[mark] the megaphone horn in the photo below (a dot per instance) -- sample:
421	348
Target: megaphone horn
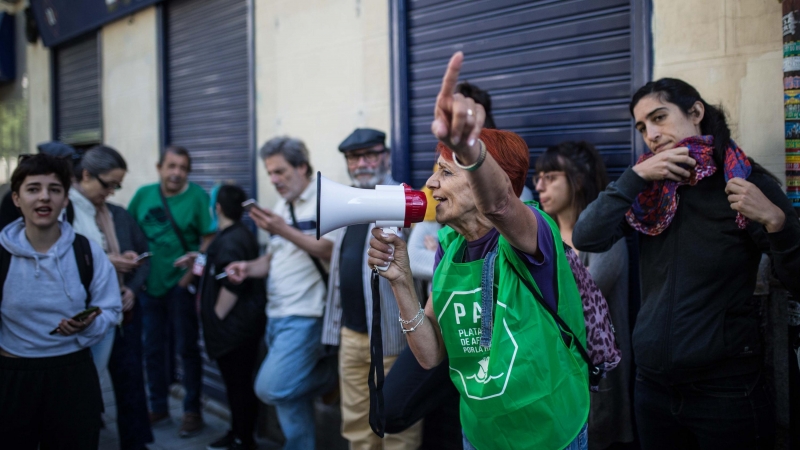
387	205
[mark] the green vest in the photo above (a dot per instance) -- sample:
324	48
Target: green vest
529	390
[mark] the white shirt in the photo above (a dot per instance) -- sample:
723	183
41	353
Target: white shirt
294	285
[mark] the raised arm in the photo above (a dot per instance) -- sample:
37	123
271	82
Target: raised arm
458	121
602	223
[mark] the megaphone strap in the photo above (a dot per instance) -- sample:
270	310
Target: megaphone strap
377	416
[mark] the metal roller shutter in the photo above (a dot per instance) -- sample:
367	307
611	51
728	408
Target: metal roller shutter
556	70
207	69
208	88
77	92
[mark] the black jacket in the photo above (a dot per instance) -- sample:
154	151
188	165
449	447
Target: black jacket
698	319
247	319
130	238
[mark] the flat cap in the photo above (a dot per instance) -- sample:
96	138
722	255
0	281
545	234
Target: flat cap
56	148
363	138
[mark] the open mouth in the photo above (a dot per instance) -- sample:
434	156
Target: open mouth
439	200
43	211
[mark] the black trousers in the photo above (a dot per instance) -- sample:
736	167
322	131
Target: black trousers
50	403
412	393
734	413
238	373
127	375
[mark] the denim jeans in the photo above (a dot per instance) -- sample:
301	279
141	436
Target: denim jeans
294	372
101	352
728	413
177	308
581	441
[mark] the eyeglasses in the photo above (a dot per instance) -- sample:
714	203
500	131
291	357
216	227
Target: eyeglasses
547	177
106	185
370	157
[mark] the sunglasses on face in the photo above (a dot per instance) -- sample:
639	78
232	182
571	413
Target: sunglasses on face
107	185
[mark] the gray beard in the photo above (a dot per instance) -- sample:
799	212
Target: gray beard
371	183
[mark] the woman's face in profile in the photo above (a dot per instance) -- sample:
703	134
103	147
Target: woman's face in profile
450	188
663	124
97	188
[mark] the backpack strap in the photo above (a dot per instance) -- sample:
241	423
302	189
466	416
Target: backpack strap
5	263
83	257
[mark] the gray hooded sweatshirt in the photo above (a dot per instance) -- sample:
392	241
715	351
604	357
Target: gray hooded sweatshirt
43	288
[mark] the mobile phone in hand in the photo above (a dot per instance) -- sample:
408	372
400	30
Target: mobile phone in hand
251	203
143	256
80	316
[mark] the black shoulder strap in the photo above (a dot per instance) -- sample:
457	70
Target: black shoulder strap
70	213
317	263
172	221
5	263
85	261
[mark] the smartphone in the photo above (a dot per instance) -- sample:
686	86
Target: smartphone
247	204
80	316
143	256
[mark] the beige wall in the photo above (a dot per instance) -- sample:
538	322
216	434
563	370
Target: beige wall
731	51
40	124
130	97
322	69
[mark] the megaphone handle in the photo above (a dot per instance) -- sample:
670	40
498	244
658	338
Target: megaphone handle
388	230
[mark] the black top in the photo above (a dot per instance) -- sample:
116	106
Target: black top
247	319
698	318
131	238
351	285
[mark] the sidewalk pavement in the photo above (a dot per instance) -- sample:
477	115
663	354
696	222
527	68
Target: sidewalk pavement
216	417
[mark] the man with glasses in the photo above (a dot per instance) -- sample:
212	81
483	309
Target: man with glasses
175	216
349	303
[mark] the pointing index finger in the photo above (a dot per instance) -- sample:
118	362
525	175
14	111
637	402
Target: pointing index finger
451	75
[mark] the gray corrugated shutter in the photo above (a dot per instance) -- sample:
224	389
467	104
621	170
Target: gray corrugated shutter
77	71
208	81
208	109
556	70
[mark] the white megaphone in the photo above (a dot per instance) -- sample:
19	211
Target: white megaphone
388	206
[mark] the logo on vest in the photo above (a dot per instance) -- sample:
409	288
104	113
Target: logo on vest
460	319
482	376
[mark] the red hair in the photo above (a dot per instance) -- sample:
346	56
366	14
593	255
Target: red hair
508	149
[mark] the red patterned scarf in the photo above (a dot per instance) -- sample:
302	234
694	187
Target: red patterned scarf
654	208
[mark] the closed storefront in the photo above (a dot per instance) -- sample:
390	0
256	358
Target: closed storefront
76	82
208	108
556	70
208	88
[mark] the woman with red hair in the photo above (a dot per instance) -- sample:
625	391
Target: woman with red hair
501	279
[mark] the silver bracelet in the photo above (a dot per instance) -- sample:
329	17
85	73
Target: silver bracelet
421	319
474	166
406	322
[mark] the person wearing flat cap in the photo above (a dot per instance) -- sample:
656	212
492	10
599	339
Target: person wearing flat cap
348	312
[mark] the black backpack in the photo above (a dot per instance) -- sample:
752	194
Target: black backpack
83	256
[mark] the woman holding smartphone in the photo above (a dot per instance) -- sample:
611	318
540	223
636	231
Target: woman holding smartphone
98	174
49	390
